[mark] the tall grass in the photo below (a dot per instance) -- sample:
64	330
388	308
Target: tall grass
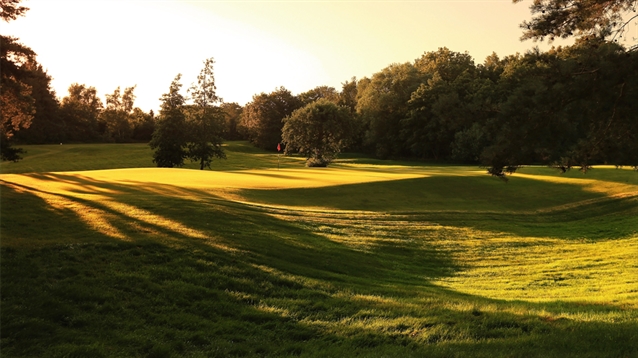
361	259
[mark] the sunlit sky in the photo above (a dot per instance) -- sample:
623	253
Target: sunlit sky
257	45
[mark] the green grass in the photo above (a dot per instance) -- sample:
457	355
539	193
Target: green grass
81	157
366	258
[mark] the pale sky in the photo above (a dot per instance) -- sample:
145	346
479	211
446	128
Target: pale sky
257	45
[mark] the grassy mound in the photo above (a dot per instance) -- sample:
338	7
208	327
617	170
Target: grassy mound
365	258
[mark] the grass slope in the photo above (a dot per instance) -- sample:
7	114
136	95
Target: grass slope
365	258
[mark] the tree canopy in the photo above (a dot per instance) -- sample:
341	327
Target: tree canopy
16	101
205	121
170	136
262	117
583	18
319	131
190	131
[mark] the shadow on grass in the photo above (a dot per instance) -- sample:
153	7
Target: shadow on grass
254	284
524	207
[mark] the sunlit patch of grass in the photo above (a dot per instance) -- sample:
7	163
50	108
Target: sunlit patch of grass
549	270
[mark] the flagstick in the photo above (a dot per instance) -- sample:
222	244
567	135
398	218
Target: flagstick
278	160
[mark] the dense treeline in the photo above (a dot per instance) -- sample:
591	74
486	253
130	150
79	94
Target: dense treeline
572	106
81	116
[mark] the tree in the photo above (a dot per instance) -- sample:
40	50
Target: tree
329	93
169	139
80	111
263	117
143	124
382	105
582	18
319	131
572	106
115	120
348	95
205	122
47	125
232	116
15	95
441	105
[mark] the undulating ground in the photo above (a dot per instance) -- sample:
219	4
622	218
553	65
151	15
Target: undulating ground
104	255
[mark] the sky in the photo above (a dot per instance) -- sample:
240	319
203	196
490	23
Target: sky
258	46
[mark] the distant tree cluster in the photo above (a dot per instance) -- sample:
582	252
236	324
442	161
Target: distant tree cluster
33	114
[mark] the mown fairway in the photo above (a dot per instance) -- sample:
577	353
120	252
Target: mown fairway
365	258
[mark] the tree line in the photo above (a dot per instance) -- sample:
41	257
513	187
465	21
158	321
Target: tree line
569	106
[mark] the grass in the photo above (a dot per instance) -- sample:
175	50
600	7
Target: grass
365	258
81	157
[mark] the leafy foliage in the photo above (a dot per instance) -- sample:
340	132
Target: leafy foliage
319	131
80	110
204	133
170	135
262	117
205	122
193	131
115	120
11	10
569	107
47	125
15	94
382	107
232	117
317	93
582	18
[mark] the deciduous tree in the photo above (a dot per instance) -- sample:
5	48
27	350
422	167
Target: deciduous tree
143	124
15	94
80	110
326	92
319	131
115	119
205	120
47	125
232	116
262	117
382	105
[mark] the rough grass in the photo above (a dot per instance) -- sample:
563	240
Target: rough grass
365	258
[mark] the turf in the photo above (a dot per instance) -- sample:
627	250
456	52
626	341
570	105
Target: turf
365	258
